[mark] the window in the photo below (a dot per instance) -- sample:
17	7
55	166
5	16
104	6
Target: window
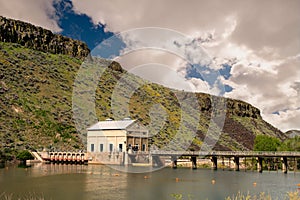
144	147
136	147
111	147
92	147
120	147
101	147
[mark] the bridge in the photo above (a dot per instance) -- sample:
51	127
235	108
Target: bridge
236	155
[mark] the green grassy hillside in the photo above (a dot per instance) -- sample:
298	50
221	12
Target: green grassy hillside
36	106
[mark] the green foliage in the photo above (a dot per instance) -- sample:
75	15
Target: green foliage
291	144
263	196
248	196
36	106
181	196
24	155
266	143
30	196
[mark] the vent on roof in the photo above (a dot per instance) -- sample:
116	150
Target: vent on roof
108	119
127	118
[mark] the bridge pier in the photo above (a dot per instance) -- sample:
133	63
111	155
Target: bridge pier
223	163
284	164
157	158
295	164
236	161
194	162
156	161
259	164
174	162
214	161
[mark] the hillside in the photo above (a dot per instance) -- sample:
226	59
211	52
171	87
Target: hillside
36	105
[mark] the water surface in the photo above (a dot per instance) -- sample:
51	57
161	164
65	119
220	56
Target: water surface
101	182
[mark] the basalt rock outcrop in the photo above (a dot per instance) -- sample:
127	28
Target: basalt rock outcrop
40	39
37	75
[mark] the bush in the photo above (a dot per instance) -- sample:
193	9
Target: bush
266	143
291	144
24	155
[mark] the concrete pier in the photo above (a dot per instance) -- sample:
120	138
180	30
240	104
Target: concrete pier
235	155
259	164
214	161
284	164
174	162
194	162
156	161
236	161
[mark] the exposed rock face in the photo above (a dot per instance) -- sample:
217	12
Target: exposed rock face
36	99
293	133
242	109
40	39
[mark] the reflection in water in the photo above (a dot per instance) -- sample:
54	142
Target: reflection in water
54	181
105	183
49	181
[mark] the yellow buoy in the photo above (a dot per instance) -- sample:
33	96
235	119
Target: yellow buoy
254	184
213	181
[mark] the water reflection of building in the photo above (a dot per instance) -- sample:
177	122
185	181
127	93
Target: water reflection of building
40	169
108	141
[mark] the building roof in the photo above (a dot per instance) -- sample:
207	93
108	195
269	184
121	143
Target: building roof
110	124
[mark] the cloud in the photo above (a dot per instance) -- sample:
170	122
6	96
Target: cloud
156	45
258	42
256	24
276	93
38	12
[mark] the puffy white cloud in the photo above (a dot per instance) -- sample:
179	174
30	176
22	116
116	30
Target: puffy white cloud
275	92
258	25
260	39
38	12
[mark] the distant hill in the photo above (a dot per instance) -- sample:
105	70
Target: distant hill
293	133
36	102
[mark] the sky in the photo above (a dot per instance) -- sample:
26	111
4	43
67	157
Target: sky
247	50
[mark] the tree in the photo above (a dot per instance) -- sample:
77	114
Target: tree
266	143
291	144
24	155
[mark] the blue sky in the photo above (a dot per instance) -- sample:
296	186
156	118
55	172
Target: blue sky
79	26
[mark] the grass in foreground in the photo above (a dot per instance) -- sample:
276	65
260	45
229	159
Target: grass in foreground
31	196
240	196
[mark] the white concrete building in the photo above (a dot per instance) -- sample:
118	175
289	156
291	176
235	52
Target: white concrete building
110	138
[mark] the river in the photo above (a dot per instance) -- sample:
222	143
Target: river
101	182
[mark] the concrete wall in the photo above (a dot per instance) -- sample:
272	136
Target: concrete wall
113	158
106	138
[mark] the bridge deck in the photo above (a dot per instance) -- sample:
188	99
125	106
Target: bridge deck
227	153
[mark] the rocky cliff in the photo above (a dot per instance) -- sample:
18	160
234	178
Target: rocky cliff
40	39
37	74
